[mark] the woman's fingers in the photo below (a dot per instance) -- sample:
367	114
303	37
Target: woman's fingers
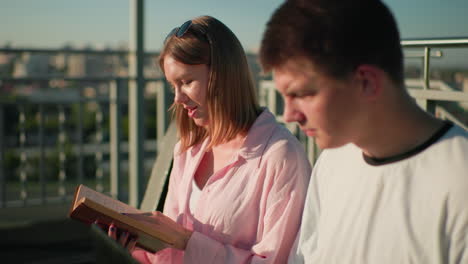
112	232
100	225
123	239
157	219
131	244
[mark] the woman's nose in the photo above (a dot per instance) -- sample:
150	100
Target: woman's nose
180	97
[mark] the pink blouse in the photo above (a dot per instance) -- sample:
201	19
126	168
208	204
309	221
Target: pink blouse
249	211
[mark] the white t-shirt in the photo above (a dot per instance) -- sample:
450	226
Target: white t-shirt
412	208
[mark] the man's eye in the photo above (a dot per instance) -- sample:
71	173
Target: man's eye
294	95
301	94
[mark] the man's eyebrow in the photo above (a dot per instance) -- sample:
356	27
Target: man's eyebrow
299	89
293	87
290	89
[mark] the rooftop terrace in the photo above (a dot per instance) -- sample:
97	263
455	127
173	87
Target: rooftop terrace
71	116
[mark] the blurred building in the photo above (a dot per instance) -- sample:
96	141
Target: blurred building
31	65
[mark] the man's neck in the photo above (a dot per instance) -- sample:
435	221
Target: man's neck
399	131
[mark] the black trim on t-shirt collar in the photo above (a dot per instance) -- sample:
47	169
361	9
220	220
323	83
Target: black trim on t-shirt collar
434	138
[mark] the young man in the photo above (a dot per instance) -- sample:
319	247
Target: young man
391	185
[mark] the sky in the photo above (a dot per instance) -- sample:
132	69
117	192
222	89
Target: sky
52	23
101	23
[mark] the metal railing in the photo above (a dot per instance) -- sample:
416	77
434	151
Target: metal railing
114	148
426	92
67	147
427	97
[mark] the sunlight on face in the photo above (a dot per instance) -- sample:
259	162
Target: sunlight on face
322	106
190	85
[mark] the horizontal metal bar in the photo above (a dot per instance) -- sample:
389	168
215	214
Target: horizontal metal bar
38	201
418	54
434	84
56	101
440	43
76	79
150	145
438	95
79	51
73	51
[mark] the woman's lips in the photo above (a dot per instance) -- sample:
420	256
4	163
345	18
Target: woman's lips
191	111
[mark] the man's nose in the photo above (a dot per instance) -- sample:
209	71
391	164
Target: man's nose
292	113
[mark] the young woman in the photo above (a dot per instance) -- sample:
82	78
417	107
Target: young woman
239	178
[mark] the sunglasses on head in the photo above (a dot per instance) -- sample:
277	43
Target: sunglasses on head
179	31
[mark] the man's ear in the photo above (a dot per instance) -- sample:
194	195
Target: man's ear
369	79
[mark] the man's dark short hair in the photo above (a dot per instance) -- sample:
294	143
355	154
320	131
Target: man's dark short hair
336	35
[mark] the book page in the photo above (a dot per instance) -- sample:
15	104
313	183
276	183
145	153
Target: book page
104	200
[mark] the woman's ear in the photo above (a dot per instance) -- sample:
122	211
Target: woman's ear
369	78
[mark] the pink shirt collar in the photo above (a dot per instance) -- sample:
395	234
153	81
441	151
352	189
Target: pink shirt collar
255	142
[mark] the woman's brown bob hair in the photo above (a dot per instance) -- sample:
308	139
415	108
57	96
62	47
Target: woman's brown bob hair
231	97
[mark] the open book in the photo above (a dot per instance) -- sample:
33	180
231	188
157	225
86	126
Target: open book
89	205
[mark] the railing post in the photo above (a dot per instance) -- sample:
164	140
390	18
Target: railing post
98	155
162	105
2	159
42	178
428	105
272	100
311	150
136	103
62	190
80	136
423	103
426	73
115	135
23	155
